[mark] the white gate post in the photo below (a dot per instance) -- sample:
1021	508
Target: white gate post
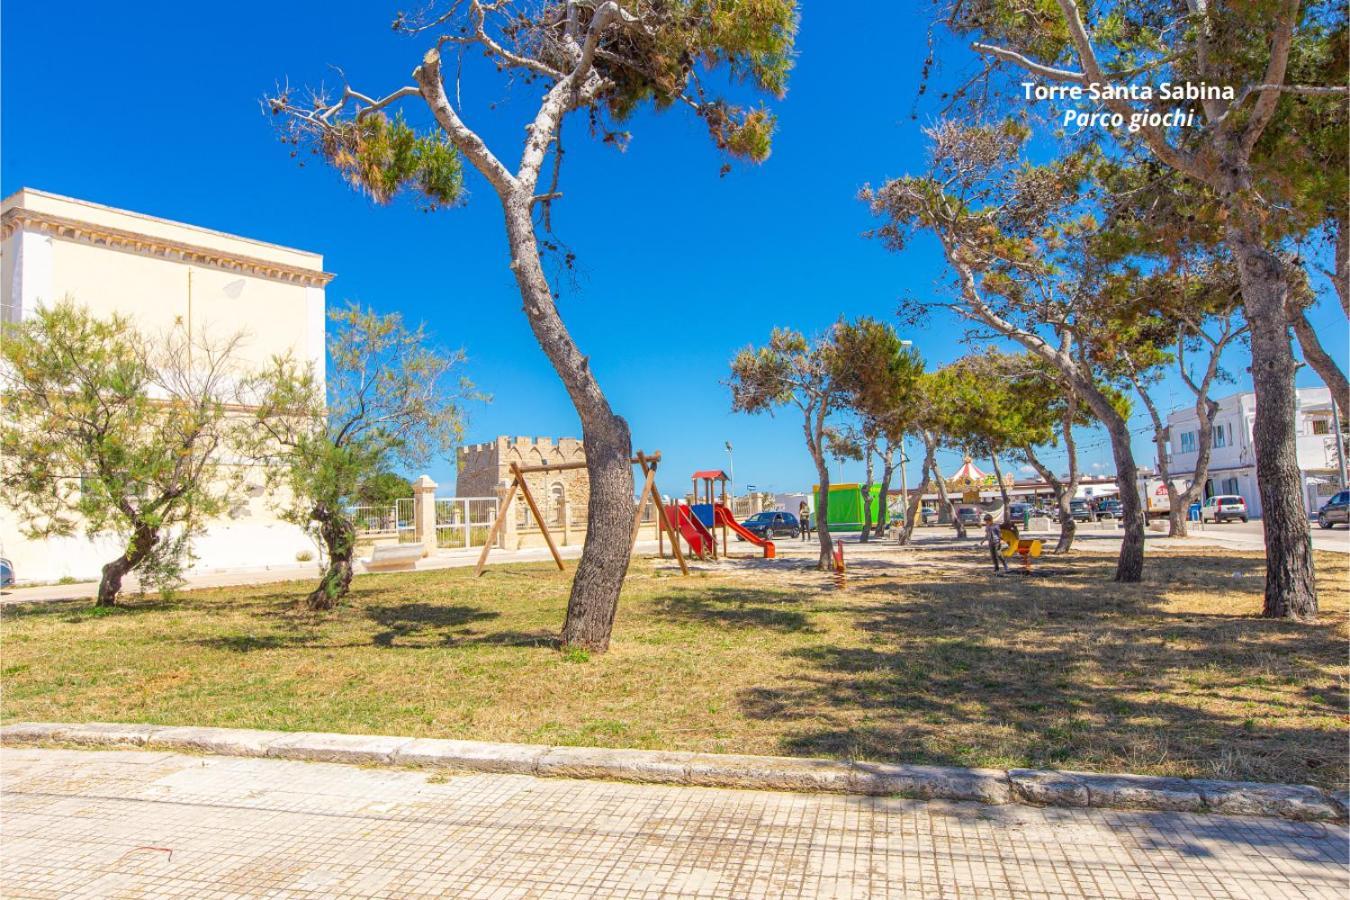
424	513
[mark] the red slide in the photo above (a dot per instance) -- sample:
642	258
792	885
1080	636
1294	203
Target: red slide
723	516
695	532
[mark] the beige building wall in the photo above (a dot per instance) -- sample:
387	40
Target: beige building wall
162	274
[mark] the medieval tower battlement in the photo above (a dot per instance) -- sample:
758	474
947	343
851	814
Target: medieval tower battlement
484	470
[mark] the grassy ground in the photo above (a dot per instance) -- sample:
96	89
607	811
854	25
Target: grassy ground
933	660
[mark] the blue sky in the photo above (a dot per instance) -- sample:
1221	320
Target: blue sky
155	107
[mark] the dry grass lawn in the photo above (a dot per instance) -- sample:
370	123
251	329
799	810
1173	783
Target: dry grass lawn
929	661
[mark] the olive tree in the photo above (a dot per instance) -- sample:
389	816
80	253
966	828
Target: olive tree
601	60
110	429
390	400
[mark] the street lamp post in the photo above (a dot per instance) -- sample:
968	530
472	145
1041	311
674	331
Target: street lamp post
731	464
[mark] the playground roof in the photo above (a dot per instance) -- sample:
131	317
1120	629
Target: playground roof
714	474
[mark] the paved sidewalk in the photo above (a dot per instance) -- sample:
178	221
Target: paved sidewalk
442	559
146	824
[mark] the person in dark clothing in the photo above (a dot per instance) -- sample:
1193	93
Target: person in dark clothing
804	521
993	533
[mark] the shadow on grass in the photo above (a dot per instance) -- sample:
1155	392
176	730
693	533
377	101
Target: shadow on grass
1072	671
730	607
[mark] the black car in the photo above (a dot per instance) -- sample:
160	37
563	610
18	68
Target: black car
1334	511
969	515
772	524
1081	511
1110	509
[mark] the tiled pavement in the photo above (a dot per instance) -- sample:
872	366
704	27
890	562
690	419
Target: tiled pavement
144	824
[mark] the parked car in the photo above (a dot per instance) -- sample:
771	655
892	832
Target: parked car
6	573
1017	512
772	524
969	515
1336	510
928	515
1224	508
1110	509
1081	511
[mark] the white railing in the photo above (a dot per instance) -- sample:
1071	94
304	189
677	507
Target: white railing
407	524
463	522
375	520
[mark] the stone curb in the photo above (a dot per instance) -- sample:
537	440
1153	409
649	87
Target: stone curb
994	786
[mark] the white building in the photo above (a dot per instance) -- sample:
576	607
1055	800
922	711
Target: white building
1232	463
161	274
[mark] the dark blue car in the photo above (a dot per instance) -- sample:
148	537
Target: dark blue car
772	524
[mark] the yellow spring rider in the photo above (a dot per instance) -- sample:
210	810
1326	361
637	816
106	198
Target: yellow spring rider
1015	545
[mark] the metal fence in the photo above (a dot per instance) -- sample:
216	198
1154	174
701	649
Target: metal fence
376	520
407	525
463	522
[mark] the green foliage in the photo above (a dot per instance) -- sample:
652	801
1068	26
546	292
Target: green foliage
878	374
109	429
682	42
390	400
383	156
383	489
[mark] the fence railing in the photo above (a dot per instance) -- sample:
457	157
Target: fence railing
463	522
375	520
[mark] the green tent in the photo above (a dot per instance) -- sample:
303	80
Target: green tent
846	506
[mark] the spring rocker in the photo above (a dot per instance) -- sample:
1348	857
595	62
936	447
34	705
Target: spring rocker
1019	546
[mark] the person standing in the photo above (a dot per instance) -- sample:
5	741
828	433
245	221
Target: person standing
993	533
804	520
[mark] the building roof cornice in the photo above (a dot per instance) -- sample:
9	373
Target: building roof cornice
163	248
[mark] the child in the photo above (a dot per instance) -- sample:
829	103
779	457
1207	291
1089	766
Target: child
994	535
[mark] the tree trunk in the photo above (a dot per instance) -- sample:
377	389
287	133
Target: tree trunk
1002	488
887	470
826	560
1291	589
943	498
1319	359
339	540
1064	492
1130	565
609	448
867	495
143	540
914	510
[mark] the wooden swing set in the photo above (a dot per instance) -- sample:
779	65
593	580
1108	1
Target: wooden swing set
646	462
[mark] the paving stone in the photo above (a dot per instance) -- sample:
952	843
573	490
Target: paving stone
774	773
103	823
105	734
475	756
931	782
626	765
1048	788
1250	798
29	732
346	748
224	741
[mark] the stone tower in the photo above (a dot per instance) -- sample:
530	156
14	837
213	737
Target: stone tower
484	470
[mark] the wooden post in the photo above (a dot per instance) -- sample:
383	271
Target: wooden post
649	477
543	526
497	526
674	535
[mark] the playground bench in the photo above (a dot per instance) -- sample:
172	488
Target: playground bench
394	556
